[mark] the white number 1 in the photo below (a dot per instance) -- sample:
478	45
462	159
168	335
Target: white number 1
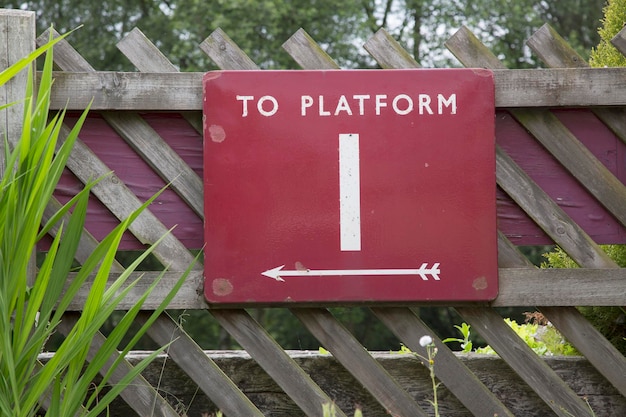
349	192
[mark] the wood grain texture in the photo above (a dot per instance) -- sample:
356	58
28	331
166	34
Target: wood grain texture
388	52
535	372
556	53
182	91
199	367
273	359
113	193
574	327
353	356
408	327
328	373
225	53
146	57
548	215
552	134
160	156
619	41
142	397
450	370
307	53
553	50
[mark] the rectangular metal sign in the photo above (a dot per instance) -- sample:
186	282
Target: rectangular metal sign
349	186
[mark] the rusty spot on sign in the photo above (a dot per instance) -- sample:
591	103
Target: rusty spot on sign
222	287
480	283
217	133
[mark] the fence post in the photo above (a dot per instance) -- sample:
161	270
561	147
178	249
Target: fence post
17	39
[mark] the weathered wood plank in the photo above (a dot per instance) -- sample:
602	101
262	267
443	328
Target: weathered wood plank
307	53
353	356
320	322
140	394
611	363
122	202
577	159
619	41
144	55
518	287
291	378
556	53
552	134
325	369
274	360
539	376
591	343
518	355
160	156
182	91
548	215
146	142
148	58
17	39
225	53
199	367
554	50
509	255
388	52
406	325
449	369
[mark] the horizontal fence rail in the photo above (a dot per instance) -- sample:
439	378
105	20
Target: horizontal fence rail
561	87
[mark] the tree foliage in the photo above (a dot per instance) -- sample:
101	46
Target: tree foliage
605	54
260	27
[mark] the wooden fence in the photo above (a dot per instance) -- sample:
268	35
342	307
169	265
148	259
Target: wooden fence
561	134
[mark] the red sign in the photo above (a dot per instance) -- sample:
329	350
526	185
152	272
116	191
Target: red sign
349	186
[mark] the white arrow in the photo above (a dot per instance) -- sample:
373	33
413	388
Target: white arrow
423	271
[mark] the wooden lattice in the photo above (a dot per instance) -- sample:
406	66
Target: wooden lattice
538	103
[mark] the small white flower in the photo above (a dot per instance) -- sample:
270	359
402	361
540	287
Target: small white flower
425	340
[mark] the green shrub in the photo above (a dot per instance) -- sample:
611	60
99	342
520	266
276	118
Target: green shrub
605	54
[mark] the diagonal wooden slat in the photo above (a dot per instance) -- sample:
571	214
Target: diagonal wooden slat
184	351
548	215
160	156
388	52
146	57
548	130
353	356
451	371
563	401
272	358
225	53
121	201
139	395
555	52
461	381
200	368
320	322
143	139
307	53
521	358
619	41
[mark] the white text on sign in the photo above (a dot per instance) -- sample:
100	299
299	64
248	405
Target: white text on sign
355	105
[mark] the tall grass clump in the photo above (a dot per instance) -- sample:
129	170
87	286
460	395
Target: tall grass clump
31	311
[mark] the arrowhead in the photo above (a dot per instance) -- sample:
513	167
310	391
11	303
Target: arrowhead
274	273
